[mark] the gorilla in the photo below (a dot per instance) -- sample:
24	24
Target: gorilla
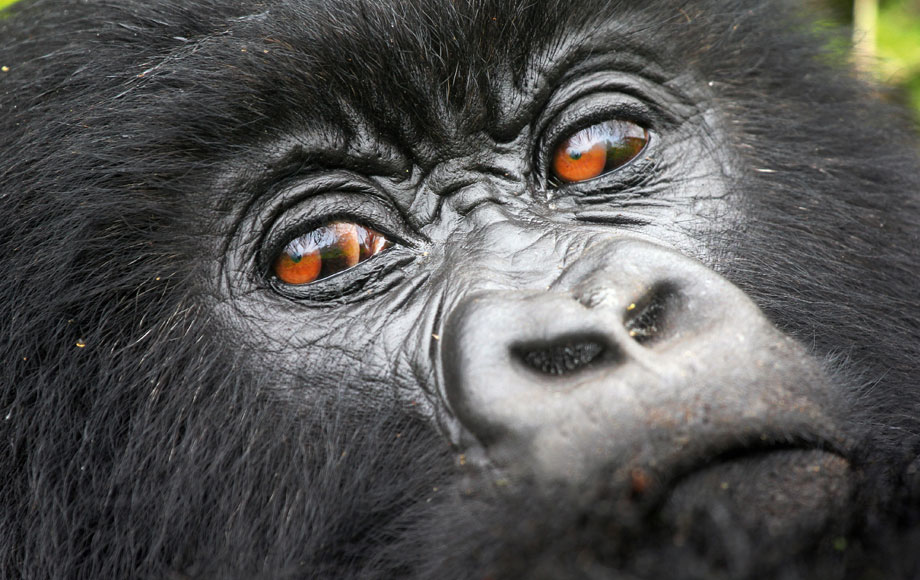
467	289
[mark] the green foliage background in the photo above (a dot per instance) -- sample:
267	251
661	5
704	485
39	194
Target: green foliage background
898	42
899	46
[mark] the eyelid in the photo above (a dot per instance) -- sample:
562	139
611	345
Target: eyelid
646	94
587	112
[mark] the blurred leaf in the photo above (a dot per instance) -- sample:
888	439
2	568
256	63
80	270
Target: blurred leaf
899	45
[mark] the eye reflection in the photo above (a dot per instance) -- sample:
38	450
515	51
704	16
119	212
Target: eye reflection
327	250
597	150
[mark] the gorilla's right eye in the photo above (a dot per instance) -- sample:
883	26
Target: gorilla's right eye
327	250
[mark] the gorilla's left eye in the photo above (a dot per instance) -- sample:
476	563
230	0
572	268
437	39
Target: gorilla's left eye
597	150
327	250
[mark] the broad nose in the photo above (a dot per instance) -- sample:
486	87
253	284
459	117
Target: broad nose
636	354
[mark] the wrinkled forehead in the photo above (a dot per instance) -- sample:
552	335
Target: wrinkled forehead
437	66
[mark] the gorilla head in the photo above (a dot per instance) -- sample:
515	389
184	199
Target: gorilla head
470	289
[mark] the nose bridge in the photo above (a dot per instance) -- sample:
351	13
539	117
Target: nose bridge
498	247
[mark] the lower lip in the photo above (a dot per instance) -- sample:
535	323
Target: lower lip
782	494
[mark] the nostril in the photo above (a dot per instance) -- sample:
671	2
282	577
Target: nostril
563	356
646	319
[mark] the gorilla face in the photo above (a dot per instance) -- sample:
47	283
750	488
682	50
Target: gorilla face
528	276
460	290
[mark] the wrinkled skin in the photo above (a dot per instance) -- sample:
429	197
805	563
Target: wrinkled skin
700	363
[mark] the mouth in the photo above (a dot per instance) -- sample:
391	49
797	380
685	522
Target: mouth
773	494
744	513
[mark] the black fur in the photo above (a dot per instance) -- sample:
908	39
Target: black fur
137	438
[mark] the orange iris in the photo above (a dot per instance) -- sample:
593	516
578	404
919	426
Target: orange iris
572	165
327	250
298	269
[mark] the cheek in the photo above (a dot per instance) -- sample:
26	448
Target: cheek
372	353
